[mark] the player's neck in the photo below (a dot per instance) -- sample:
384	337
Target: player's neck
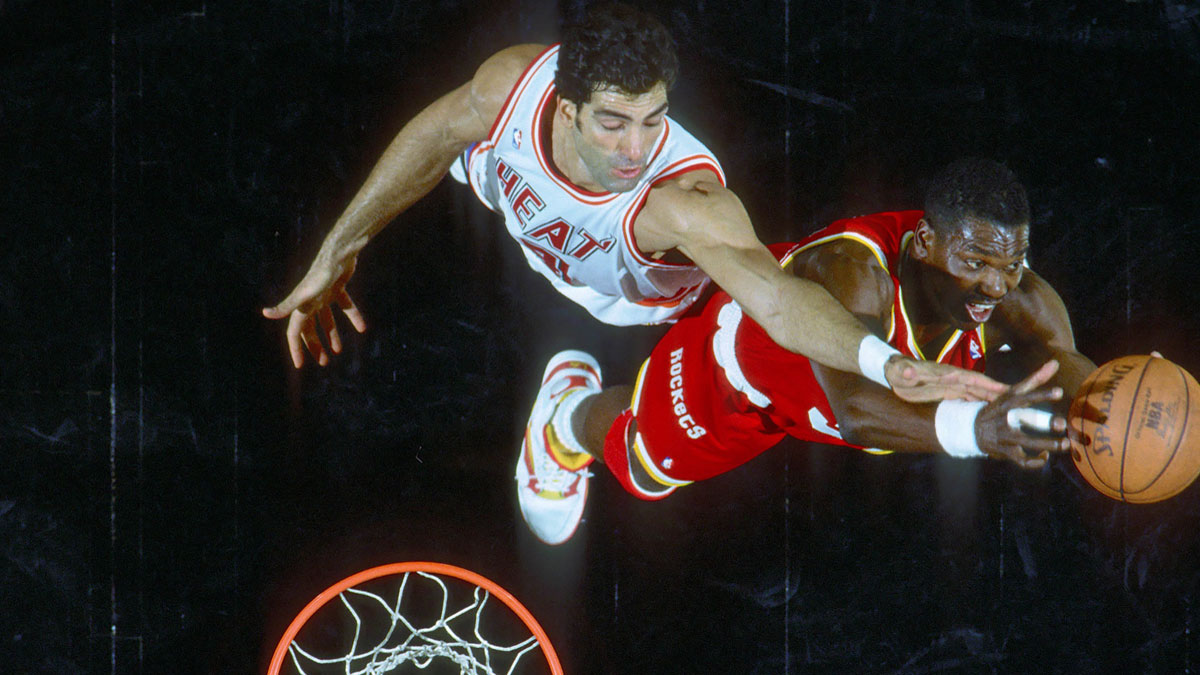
926	325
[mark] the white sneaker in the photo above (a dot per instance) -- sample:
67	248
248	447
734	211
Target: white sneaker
552	495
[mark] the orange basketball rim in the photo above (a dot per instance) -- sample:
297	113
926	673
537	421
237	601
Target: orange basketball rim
425	569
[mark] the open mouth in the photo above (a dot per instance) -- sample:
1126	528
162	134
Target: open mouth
980	311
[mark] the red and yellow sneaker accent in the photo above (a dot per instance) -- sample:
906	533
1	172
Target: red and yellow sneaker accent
551	470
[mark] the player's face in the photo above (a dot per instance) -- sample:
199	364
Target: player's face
615	132
976	264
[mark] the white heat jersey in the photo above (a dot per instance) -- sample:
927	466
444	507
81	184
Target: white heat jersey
582	241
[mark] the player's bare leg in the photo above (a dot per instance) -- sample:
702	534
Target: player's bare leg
595	416
593	419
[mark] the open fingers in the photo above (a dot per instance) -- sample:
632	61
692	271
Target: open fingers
1034	461
325	317
1038	378
1039	445
921	381
1029	436
1027	399
313	342
295	338
351	311
977	386
302	334
1026	460
1033	452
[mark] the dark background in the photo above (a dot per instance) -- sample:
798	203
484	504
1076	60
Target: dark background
172	492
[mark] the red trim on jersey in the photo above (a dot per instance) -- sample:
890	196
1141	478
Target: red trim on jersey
474	152
662	141
674	170
672	301
547	163
513	94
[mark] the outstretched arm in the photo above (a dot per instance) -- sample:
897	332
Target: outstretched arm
415	161
708	224
870	417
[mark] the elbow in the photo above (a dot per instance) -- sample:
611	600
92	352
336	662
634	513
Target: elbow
856	433
855	424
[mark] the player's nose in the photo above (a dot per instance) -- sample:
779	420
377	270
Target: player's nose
994	285
632	148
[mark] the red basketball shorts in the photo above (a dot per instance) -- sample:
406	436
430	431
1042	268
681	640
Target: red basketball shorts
690	424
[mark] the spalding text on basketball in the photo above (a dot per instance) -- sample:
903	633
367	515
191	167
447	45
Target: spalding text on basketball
1103	442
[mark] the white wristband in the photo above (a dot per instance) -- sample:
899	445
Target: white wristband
873	355
954	423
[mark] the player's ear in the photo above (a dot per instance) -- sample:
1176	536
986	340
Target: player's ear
567	110
923	240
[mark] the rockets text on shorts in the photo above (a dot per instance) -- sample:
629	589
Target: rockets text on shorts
686	422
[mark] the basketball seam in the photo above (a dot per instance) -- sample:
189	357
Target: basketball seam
1178	441
1187	414
1129	424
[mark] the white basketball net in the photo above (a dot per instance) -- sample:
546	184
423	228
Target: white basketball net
383	635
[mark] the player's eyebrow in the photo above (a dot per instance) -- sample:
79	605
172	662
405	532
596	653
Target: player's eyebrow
622	116
977	249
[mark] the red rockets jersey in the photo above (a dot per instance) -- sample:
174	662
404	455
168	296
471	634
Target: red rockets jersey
782	383
582	241
717	391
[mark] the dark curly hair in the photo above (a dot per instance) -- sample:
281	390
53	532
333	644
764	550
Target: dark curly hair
977	187
614	45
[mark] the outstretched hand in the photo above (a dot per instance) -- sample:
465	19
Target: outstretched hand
1007	429
310	308
924	381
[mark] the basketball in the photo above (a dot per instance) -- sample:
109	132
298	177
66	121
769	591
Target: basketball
1139	420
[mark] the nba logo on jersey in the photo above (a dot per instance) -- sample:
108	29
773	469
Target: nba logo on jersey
976	353
516	139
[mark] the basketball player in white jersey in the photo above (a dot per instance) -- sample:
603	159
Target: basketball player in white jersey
615	204
618	206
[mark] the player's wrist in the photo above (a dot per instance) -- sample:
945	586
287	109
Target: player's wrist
954	423
873	357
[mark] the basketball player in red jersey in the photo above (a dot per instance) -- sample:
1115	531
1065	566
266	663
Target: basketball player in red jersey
608	199
947	284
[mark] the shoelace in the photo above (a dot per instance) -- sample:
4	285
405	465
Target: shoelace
550	476
561	480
